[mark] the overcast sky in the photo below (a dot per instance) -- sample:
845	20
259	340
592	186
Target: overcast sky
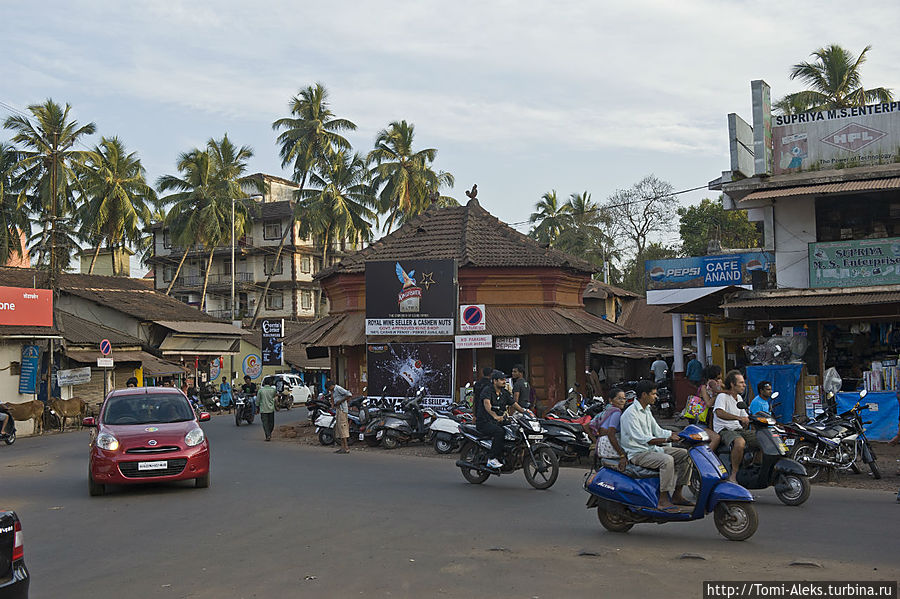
518	97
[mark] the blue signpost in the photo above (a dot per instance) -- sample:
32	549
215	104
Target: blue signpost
28	375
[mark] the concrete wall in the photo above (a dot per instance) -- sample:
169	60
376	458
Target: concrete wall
794	229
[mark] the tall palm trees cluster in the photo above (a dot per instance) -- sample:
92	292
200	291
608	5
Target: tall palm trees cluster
62	194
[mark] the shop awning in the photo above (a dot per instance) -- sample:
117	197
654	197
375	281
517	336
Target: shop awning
825	188
616	348
815	304
192	345
200	327
708	305
152	365
817	299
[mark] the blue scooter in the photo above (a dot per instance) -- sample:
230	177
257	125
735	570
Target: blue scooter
625	499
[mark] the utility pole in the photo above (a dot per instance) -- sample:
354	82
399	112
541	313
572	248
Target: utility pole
231	372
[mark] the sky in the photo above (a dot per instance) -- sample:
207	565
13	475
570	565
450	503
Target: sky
519	97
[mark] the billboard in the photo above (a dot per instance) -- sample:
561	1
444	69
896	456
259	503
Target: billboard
410	297
26	307
706	271
402	368
272	331
30	365
839	138
855	263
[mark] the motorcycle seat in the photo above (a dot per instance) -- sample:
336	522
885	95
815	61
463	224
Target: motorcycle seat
631	470
827	432
470	428
575	428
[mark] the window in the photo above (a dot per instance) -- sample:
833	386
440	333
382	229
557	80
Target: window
306	264
168	274
857	216
274	300
272	230
167	239
272	268
305	300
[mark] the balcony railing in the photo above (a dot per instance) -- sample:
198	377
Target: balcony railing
214	279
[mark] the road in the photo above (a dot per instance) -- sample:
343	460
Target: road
284	520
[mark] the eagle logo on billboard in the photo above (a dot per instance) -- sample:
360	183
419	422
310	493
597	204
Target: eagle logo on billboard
410	296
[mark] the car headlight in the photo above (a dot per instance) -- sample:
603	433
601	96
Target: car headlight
107	442
195	437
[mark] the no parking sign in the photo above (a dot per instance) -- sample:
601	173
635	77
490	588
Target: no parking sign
471	317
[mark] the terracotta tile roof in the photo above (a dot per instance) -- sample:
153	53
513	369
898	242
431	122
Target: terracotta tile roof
469	234
601	290
271	210
645	321
516	321
332	331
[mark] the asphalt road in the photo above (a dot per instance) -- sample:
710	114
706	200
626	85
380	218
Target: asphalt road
283	520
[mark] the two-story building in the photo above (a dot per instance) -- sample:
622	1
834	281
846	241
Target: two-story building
292	292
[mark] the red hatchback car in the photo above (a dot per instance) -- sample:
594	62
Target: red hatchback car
146	434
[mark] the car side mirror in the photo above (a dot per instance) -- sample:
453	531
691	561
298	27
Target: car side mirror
204	416
89	422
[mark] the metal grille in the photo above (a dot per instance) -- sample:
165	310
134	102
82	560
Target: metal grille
130	469
160	449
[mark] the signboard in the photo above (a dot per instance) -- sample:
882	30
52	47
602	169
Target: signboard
215	368
252	366
105	347
105	362
855	263
471	317
839	138
28	374
762	127
410	297
472	341
20	306
272	346
508	343
74	376
706	271
404	367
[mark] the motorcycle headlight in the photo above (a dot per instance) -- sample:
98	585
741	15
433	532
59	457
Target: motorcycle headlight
195	437
107	442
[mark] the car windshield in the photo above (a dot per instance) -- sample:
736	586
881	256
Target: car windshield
153	408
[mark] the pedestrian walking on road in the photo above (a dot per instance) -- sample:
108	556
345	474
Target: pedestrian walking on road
265	396
339	399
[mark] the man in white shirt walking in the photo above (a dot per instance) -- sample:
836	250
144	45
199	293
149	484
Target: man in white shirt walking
643	439
729	420
659	369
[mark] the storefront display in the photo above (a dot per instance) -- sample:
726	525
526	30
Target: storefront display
865	354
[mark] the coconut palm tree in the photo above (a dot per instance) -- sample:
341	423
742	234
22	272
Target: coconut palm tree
834	81
408	185
13	220
585	231
47	159
551	218
118	198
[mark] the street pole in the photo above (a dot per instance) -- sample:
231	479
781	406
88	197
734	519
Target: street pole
231	358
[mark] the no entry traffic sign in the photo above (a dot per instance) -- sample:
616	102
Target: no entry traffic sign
105	347
471	317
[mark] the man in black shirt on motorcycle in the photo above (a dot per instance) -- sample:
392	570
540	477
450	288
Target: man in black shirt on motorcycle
482	383
489	410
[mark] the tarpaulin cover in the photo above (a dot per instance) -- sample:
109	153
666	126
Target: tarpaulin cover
884	418
784	379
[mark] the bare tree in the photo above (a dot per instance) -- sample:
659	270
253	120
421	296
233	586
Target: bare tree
642	210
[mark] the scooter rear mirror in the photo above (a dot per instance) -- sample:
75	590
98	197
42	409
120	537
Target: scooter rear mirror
741	405
775	395
863	393
468	385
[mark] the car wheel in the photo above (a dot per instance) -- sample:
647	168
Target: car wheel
202	482
95	488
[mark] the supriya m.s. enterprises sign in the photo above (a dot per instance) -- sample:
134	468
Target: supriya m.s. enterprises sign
26	307
838	138
855	263
706	271
410	297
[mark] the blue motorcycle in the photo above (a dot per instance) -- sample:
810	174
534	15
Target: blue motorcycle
625	499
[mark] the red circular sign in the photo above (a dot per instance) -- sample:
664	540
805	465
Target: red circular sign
473	315
105	347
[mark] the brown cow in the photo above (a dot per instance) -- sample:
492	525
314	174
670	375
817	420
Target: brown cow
68	408
28	410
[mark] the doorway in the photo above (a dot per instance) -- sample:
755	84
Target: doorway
506	360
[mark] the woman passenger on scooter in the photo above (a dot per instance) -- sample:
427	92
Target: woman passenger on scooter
606	427
709	389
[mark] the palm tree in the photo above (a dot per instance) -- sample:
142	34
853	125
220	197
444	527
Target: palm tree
202	202
340	205
47	161
408	184
13	220
551	218
834	81
118	197
586	233
307	138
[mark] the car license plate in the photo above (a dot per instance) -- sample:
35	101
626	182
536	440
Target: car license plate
153	465
362	436
535	437
789	441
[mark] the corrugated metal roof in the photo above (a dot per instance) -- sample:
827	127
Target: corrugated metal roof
199	346
823	188
617	348
645	321
79	331
210	328
512	321
152	365
601	290
816	299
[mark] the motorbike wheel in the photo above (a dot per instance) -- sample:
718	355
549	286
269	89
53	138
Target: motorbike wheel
371	441
250	419
326	436
694	483
876	473
390	441
237	418
443	445
802	451
613	522
10	438
544	459
736	520
799	490
473	453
